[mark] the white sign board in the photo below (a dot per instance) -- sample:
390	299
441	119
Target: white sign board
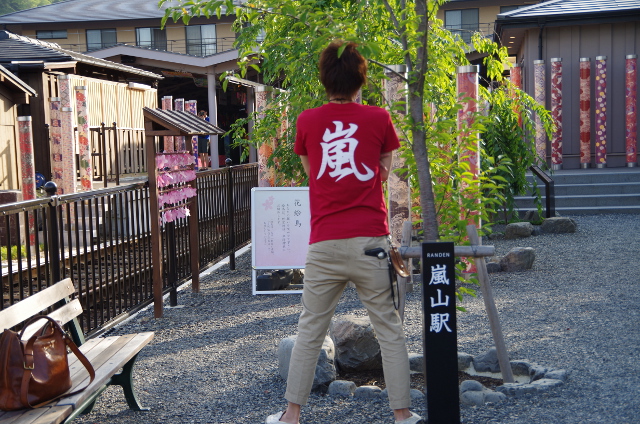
280	228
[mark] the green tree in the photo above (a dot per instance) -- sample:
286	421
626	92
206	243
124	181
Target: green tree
283	38
10	6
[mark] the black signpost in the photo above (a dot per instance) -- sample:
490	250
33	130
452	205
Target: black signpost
440	335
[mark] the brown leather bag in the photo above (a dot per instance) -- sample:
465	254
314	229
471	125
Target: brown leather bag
36	371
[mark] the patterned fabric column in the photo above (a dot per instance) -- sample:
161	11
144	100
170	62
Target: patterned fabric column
468	96
55	132
68	147
84	149
516	81
398	186
25	131
601	111
585	112
556	112
516	76
180	143
631	96
191	106
167	104
540	81
266	175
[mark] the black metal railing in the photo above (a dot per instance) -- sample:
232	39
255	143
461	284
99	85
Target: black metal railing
192	47
549	190
101	239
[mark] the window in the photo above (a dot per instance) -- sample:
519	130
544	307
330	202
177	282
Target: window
53	34
201	40
100	38
153	38
462	22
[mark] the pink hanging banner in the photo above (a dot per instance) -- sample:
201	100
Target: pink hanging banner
631	97
55	133
191	106
585	112
178	104
167	104
25	131
84	148
601	111
540	81
556	112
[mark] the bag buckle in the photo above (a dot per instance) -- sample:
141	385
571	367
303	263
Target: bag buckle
28	367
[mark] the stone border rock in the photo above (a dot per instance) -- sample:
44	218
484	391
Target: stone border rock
531	378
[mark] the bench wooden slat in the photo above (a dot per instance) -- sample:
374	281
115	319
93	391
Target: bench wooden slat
43	415
63	315
108	355
115	362
26	308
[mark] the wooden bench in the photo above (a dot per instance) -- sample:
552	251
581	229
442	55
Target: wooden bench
108	355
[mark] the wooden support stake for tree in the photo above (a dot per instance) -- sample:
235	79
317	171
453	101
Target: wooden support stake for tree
402	281
492	311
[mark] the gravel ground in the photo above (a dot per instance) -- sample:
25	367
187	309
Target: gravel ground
214	360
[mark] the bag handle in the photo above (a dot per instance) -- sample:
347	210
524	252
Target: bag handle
29	362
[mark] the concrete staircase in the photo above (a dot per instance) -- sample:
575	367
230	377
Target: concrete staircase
591	191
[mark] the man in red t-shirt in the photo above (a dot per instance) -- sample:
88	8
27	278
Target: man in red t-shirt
346	150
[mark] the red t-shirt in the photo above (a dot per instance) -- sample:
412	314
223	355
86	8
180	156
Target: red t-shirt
343	143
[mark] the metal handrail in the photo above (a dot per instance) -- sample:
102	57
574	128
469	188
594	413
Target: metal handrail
549	190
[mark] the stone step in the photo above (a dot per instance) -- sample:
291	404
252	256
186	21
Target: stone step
593	176
593	189
588	210
606	200
590	191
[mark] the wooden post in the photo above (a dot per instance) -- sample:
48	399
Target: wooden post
492	311
156	241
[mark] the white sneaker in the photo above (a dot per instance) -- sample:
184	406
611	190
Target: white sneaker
413	419
275	419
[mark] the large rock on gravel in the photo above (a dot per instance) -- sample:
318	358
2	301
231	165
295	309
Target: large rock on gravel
518	230
357	348
518	259
558	225
487	362
325	368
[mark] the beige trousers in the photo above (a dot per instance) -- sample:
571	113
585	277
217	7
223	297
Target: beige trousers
330	265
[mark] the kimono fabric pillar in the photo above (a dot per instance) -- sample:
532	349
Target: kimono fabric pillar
631	97
556	112
68	140
55	132
167	104
468	98
266	175
601	111
516	81
25	131
181	146
191	106
84	148
539	76
398	185
585	112
469	142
